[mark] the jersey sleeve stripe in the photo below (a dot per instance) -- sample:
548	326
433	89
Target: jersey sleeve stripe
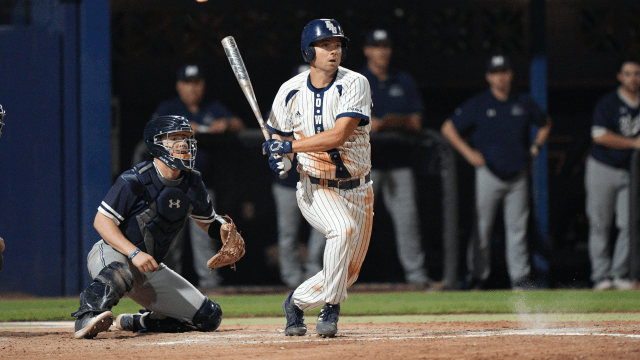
205	219
354	114
109	215
109	209
282	133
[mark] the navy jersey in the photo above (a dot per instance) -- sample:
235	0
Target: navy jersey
150	210
618	116
206	116
500	130
398	95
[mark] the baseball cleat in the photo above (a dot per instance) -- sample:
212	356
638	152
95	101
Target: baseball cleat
295	318
127	322
89	326
327	325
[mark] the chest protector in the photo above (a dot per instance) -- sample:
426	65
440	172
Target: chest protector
165	212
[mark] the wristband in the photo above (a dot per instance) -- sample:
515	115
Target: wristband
134	253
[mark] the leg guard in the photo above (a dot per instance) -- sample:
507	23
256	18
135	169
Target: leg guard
106	289
208	317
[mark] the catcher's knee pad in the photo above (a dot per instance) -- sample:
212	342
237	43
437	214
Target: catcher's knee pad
209	316
118	276
106	289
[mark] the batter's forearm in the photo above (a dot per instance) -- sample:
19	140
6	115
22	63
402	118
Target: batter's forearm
329	139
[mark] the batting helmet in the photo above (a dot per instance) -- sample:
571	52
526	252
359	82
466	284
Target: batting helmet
321	29
2	114
156	137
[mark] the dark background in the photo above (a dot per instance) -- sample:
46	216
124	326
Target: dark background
59	74
443	44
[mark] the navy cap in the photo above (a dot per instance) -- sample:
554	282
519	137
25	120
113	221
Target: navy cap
190	71
377	37
498	62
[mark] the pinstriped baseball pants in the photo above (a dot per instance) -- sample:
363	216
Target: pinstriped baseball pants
346	218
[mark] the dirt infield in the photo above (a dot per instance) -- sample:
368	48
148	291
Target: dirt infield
432	340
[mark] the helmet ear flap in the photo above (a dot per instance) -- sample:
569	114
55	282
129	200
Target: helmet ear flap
309	54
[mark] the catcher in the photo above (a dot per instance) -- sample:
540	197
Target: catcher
138	220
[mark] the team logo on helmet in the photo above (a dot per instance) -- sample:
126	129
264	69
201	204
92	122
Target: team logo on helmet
331	27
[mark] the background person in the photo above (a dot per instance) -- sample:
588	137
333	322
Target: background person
499	121
397	106
615	133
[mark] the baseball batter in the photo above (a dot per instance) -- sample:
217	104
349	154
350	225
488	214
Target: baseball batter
615	133
138	220
323	115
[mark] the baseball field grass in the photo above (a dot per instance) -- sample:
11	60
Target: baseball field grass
428	304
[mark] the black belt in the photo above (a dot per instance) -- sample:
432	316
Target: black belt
340	184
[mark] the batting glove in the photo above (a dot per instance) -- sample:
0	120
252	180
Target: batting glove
275	147
279	163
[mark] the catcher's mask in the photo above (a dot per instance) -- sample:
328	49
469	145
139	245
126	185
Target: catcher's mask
2	114
171	139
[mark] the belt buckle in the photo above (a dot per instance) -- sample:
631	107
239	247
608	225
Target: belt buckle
339	181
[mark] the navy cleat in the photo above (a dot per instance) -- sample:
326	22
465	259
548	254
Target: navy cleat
295	318
88	326
327	325
129	322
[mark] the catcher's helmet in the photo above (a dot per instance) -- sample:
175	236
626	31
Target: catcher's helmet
156	137
2	114
317	30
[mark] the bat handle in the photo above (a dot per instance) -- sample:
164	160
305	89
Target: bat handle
285	159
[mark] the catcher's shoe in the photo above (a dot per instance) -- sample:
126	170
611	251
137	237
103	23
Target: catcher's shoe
327	325
295	318
129	322
88	326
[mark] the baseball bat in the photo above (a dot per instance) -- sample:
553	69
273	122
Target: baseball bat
237	65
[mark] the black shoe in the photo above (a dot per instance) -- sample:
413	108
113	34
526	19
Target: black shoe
327	325
88	326
295	318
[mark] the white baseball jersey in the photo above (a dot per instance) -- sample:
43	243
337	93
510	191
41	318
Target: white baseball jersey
344	216
301	110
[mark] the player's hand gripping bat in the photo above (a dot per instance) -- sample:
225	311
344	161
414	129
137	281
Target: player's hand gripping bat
237	65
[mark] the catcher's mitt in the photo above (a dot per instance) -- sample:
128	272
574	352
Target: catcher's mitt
232	246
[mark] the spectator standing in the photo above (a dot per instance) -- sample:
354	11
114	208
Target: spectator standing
615	130
397	106
499	121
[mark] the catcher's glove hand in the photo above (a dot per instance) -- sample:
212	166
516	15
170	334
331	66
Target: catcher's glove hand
232	246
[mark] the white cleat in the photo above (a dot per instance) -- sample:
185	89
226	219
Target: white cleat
89	326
